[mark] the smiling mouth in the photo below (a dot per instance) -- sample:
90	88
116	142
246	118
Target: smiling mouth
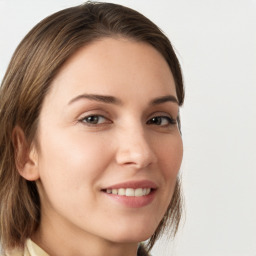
129	192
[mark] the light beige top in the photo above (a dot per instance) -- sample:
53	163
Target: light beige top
31	249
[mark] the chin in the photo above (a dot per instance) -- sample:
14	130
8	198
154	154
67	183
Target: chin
133	233
131	238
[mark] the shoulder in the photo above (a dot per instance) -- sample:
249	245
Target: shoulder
14	252
30	249
17	252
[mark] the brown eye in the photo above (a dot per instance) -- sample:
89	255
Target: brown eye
162	121
94	119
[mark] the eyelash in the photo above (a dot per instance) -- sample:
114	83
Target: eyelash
170	121
153	121
98	117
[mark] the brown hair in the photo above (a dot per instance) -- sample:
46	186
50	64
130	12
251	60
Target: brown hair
34	64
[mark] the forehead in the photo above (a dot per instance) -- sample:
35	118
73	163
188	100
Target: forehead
116	66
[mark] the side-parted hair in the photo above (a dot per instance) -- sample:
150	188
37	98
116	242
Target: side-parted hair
34	65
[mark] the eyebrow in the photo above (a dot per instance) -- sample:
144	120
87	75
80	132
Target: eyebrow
96	97
116	101
163	99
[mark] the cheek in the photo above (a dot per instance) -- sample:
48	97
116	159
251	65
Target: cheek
170	158
69	160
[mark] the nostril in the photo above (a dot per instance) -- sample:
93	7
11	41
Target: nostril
129	163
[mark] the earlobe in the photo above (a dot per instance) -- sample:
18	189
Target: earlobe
26	158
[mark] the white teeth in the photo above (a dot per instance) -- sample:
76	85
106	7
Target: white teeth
121	192
130	191
138	192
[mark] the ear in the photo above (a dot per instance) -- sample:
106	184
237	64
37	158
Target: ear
26	157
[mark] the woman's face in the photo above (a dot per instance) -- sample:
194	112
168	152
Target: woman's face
108	126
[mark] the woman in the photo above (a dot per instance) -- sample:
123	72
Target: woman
90	144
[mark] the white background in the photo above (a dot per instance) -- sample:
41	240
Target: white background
216	43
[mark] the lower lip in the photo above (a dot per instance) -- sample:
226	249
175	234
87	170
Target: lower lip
133	201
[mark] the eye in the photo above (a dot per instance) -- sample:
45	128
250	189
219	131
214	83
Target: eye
94	120
162	121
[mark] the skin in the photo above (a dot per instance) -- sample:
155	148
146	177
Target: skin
131	141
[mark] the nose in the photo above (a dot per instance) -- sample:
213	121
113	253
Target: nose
135	149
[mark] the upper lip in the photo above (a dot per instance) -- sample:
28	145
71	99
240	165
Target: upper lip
134	185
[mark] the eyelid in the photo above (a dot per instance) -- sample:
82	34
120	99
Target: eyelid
92	111
163	114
